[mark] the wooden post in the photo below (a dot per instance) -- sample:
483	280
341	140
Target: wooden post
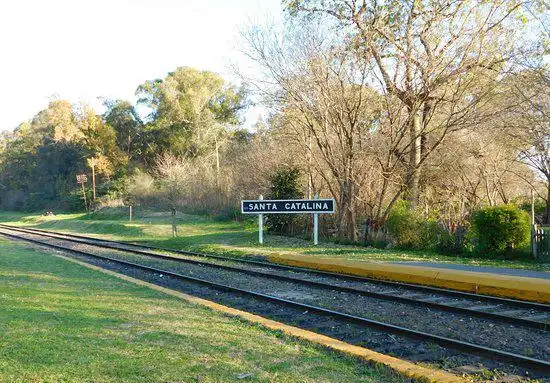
84	195
93	159
174	225
261	226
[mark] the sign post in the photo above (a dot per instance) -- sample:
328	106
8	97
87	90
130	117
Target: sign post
316	225
261	225
533	226
314	206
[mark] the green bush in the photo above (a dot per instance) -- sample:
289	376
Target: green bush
452	242
285	184
409	229
74	202
501	230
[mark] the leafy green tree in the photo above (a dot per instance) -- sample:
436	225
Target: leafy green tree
100	140
123	117
39	179
57	122
190	110
40	159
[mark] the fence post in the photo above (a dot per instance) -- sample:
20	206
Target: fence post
534	238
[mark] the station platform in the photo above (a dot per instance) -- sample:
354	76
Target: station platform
502	282
481	269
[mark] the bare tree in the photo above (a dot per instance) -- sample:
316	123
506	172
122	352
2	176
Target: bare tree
528	124
438	58
321	98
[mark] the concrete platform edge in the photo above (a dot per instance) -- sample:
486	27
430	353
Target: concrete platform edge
507	286
405	368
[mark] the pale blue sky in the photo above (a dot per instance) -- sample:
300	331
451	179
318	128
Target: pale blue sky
83	49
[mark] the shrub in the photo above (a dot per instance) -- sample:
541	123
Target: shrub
409	229
75	202
501	230
452	241
284	185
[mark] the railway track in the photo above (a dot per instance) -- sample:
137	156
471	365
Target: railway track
520	313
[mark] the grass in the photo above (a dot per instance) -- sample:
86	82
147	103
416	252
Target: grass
62	322
202	233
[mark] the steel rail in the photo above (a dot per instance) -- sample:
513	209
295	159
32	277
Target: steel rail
385	296
426	289
517	359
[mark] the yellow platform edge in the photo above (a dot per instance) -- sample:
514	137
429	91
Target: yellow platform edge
403	367
506	286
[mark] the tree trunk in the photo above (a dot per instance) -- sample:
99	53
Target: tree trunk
346	214
351	221
217	165
546	220
309	167
413	191
93	178
341	212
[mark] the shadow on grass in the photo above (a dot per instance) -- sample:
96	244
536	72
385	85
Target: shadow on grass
202	233
143	231
233	238
91	227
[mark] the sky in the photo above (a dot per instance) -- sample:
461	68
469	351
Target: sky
81	50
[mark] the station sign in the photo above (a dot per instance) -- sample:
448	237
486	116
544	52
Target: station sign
287	206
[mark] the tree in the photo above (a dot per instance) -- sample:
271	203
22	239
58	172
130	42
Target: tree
439	59
57	122
40	160
124	119
190	111
173	175
527	122
41	178
323	103
100	140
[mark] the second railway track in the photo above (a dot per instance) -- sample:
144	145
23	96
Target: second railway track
493	310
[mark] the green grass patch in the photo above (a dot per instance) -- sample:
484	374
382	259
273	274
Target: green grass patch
62	322
231	238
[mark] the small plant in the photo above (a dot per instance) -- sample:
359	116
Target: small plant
501	230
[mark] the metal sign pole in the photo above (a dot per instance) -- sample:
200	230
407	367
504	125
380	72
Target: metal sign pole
261	225
316	225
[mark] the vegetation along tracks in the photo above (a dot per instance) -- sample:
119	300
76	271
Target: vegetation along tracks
537	312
